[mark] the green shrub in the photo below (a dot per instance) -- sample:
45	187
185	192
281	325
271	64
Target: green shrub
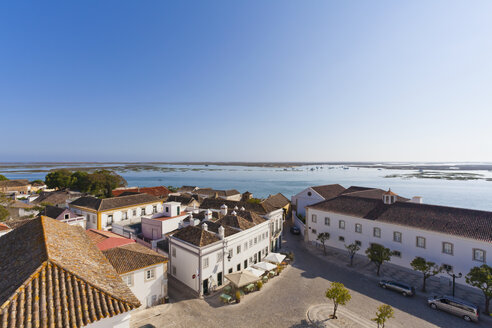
259	284
238	296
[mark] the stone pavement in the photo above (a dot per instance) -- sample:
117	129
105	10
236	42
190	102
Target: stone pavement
394	272
319	316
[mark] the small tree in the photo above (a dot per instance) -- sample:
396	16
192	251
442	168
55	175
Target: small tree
384	313
352	249
339	295
428	268
238	296
3	178
4	213
378	254
259	284
481	277
323	237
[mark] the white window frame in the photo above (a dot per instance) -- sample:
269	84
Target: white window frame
374	234
314	218
417	242
150	274
327	221
220	257
205	262
397	240
483	255
358	225
128	279
444	243
341	224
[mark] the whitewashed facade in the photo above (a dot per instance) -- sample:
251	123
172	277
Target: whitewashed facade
148	284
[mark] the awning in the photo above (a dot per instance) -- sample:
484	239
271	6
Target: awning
240	279
265	266
275	258
256	272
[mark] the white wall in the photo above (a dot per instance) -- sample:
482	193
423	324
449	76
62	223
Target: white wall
461	260
118	321
302	199
145	289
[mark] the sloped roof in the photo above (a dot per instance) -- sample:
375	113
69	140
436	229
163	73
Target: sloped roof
329	191
159	191
373	193
132	257
14	183
53	211
57	277
275	202
56	197
460	222
183	199
212	203
113	202
107	239
196	236
4	227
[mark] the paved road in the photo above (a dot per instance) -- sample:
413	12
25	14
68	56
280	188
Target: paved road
283	302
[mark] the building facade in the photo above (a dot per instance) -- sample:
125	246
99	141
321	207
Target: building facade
313	195
458	239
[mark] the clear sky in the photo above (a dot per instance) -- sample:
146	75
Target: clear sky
246	80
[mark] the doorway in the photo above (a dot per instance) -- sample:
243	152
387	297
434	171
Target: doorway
205	286
219	279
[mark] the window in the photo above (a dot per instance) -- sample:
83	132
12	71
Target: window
358	243
396	253
341	238
478	255
67	216
251	243
246	263
397	236
256	240
93	219
447	267
128	280
124	215
220	257
376	232
266	250
341	224
167	209
230	254
230	270
238	249
245	245
134	212
238	267
420	242
205	262
174	270
110	219
174	252
149	274
358	228
447	248
143	211
327	221
154	209
313	218
309	193
313	231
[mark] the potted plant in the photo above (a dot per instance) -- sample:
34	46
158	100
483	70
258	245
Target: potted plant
238	296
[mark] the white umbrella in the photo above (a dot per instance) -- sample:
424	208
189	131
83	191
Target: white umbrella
240	279
256	272
274	257
264	266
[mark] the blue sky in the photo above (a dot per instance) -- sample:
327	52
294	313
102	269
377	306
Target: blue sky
246	81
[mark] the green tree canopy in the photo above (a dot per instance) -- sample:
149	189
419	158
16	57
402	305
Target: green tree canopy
378	254
322	238
4	214
352	249
427	268
339	295
3	178
481	277
384	313
58	179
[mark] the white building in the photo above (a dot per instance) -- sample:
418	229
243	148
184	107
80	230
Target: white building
457	238
142	270
101	213
156	226
201	255
313	195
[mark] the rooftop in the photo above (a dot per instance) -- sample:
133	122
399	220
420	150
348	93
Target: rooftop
329	191
159	191
132	257
35	272
113	202
106	239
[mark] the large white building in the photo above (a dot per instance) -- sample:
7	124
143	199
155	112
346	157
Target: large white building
101	213
313	195
200	255
456	238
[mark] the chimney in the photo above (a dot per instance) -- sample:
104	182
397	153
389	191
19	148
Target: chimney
389	197
235	208
223	209
192	220
234	213
221	232
208	215
416	200
242	208
205	227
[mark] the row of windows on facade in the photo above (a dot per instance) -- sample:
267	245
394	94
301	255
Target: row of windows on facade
149	275
447	248
124	215
252	241
253	259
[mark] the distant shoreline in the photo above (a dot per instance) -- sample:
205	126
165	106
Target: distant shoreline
149	165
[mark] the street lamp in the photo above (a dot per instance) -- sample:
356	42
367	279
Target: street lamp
452	274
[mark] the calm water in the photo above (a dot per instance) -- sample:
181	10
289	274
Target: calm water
261	182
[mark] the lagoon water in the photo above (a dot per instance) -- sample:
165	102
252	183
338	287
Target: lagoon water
263	181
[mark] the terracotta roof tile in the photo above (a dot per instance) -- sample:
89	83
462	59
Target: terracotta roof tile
329	191
113	202
159	191
132	257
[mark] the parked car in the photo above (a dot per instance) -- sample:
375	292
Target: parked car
295	230
456	306
404	289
